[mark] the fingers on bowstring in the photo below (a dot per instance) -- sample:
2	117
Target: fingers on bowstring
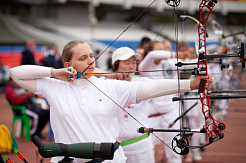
126	75
72	71
119	76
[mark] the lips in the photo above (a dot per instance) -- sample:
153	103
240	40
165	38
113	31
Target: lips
91	68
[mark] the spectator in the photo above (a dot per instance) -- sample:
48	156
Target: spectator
183	51
53	59
19	96
1	158
192	53
4	76
27	54
167	45
162	111
143	44
109	61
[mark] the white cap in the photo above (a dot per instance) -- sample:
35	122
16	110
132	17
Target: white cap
124	53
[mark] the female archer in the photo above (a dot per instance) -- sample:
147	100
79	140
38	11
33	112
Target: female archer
79	108
137	147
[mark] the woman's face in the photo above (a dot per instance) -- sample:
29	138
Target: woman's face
183	52
192	53
167	46
128	65
82	58
158	46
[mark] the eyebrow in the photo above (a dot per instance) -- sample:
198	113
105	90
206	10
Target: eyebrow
85	55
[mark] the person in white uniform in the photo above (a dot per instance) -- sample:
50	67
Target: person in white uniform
164	111
136	146
79	111
195	115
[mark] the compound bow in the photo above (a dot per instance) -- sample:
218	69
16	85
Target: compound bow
180	142
212	127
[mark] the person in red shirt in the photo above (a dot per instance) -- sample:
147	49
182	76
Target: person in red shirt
19	96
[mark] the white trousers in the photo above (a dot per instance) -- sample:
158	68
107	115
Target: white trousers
162	122
35	120
144	157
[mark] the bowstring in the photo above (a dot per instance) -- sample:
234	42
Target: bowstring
105	51
155	38
184	122
176	40
180	104
120	34
125	110
176	35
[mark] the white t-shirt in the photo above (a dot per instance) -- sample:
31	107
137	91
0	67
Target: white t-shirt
84	114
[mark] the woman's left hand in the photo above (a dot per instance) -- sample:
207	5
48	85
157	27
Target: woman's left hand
194	84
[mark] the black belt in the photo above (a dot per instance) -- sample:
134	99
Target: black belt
98	160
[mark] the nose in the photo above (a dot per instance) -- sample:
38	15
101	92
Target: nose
132	66
91	60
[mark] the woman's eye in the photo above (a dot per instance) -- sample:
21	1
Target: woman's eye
83	58
127	63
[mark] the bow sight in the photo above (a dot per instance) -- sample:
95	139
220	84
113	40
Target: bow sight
202	57
180	143
173	3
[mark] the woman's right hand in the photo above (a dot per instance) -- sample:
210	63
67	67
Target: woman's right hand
120	76
64	74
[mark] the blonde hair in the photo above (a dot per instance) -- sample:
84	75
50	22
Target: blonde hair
67	52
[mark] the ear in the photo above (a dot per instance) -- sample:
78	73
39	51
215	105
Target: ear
66	64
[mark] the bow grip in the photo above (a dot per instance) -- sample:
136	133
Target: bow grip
201	86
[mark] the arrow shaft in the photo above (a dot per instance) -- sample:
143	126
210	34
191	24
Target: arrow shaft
138	71
220	55
150	130
217	97
235	91
233	34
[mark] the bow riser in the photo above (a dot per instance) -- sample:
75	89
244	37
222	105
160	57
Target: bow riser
213	128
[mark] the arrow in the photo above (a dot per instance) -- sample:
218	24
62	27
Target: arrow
216	97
